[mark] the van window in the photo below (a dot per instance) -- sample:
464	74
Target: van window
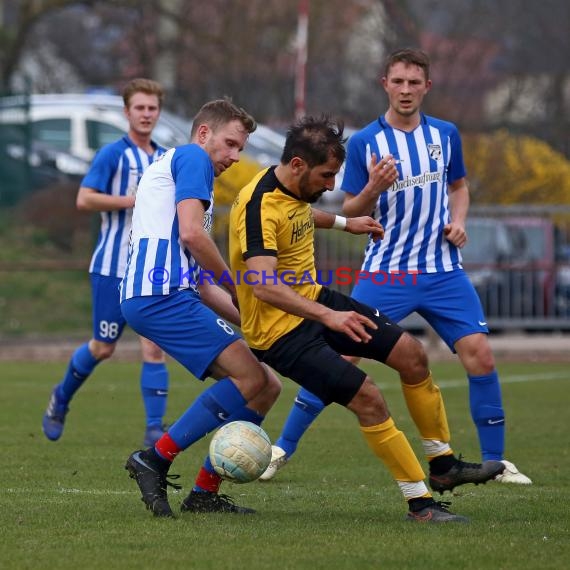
53	132
100	134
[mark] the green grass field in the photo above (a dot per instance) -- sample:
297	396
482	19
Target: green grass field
71	504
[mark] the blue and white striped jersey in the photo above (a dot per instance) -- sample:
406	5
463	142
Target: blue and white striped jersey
116	170
158	261
416	208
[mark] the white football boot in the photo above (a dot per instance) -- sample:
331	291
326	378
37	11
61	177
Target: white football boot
511	475
278	460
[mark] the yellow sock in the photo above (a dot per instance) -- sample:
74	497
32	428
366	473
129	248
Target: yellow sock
391	446
426	407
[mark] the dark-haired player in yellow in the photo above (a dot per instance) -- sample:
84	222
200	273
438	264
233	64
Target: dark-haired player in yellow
301	328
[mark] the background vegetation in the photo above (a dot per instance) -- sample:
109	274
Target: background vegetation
499	71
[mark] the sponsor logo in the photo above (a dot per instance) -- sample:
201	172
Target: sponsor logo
300	403
136	457
300	229
495	422
482	323
434	151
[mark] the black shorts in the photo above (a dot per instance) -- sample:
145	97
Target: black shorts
310	354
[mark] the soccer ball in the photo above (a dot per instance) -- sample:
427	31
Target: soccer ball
240	452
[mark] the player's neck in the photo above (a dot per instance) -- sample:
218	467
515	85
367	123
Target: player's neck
283	174
402	122
142	141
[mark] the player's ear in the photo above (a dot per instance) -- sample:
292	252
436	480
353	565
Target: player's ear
297	165
202	133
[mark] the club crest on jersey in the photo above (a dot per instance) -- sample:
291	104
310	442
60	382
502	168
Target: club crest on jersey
434	151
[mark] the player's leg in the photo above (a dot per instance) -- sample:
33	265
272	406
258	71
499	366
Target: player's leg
405	354
305	410
108	325
425	404
205	345
370	290
321	370
154	390
455	312
485	402
204	496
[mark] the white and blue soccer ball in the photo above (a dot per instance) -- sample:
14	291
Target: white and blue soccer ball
240	451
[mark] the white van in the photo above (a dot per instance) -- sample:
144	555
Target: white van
80	124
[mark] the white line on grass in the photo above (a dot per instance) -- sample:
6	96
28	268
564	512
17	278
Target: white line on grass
62	490
515	378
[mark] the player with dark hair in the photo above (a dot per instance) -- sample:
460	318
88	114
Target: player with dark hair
172	293
109	188
301	329
407	168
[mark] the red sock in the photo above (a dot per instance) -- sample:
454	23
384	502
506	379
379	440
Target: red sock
208	481
167	448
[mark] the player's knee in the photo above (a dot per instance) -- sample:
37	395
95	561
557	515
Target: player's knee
476	354
151	352
101	350
256	382
274	386
485	362
368	404
410	359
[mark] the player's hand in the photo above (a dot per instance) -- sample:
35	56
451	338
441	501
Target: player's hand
382	174
455	234
365	225
350	323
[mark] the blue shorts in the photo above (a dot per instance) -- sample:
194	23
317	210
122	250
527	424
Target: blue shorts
108	321
447	301
182	326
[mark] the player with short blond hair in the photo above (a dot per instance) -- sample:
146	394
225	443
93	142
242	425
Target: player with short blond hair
109	188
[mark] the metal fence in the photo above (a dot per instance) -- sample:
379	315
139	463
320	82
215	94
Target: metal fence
518	258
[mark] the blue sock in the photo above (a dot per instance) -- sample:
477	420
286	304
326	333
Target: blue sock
154	389
80	367
244	414
211	409
303	413
488	414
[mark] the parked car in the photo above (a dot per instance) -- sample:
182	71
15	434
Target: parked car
82	123
562	289
535	251
30	165
517	265
487	257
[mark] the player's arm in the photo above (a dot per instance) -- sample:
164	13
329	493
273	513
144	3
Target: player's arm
276	293
91	200
381	175
198	241
360	225
458	206
219	301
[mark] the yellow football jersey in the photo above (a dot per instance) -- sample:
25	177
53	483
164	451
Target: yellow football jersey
267	219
